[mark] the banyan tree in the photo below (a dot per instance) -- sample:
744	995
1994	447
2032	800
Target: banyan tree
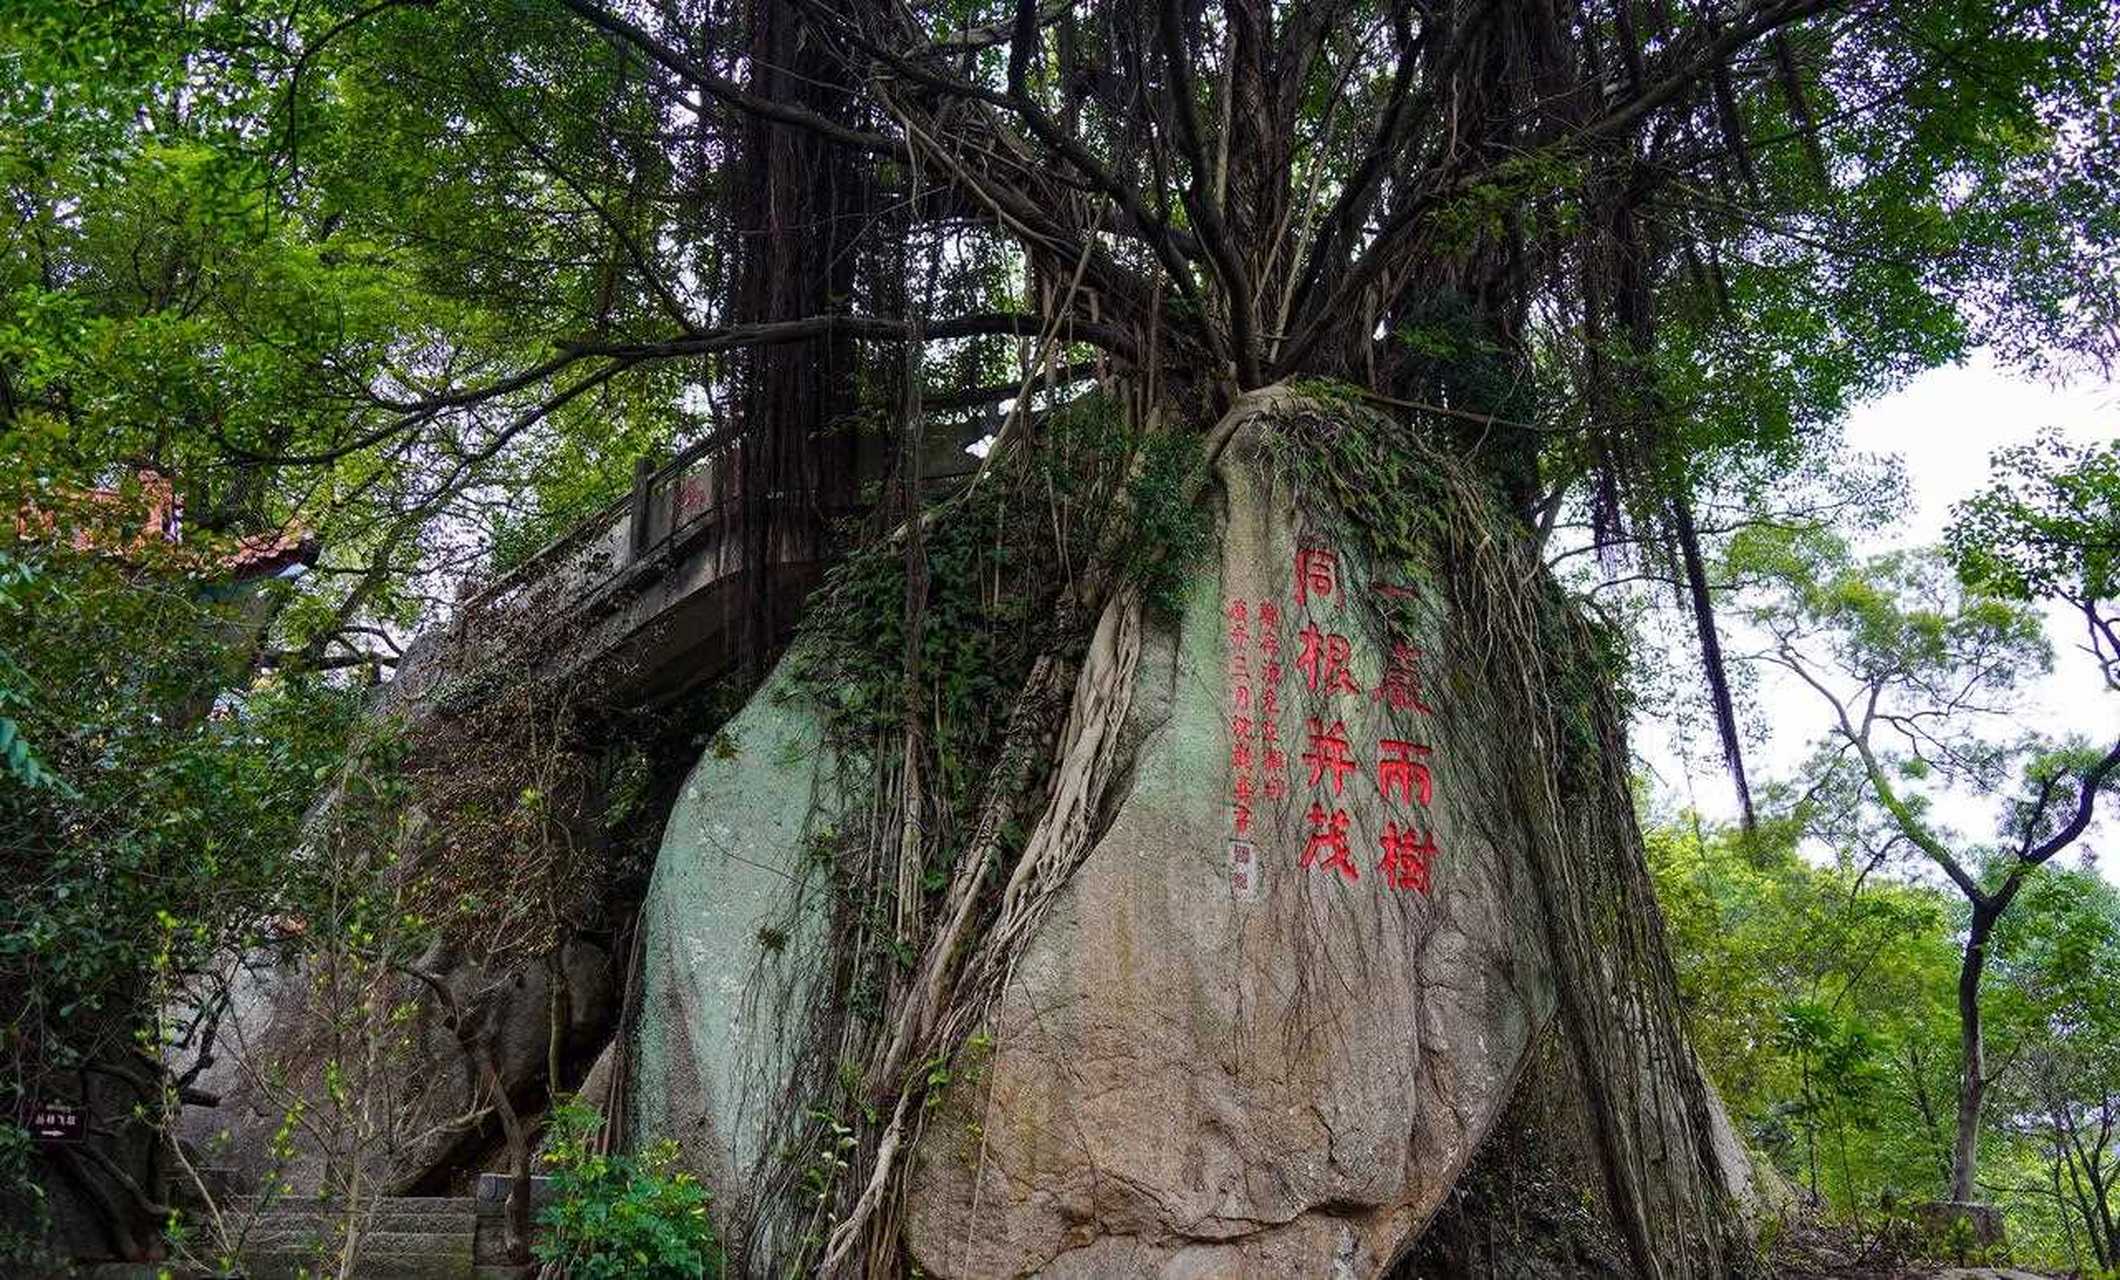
1186	844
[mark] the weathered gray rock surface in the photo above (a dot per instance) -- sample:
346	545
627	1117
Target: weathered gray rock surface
1259	1040
410	1093
413	1106
733	918
1271	1016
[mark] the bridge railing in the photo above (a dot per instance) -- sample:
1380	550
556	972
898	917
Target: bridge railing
667	506
667	510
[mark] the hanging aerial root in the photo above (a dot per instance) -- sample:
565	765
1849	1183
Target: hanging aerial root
1103	697
1415	510
964	963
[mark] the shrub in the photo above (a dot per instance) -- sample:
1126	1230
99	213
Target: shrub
615	1216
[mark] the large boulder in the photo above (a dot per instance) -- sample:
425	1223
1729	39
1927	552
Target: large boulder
732	932
416	1108
1280	1003
1274	1010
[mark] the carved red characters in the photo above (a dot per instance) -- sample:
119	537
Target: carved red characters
1317	573
1402	681
1324	661
1407	852
1242	787
1276	774
1328	837
1328	752
1403	767
1253	711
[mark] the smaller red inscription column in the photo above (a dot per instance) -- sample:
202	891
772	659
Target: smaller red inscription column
1243	711
1242	784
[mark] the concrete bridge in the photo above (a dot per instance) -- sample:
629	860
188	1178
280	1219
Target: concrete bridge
653	593
660	582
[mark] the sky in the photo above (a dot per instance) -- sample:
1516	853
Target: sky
1943	424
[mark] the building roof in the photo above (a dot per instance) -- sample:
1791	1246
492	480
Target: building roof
256	555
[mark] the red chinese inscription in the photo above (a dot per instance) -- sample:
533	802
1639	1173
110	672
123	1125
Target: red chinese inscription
1317	573
1324	661
1402	680
1252	710
1276	774
1403	767
1327	848
1407	852
1328	752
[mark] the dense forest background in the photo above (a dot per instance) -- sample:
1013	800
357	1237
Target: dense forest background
315	317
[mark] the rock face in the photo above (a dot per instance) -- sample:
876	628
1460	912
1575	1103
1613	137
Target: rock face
406	1120
410	1106
1277	1006
734	911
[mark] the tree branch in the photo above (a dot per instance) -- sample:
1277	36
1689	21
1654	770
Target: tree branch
1880	786
728	91
1200	202
873	328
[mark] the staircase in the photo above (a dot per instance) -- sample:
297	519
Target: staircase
401	1238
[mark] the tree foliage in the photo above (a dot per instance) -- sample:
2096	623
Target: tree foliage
1916	673
614	1216
1820	992
160	840
423	280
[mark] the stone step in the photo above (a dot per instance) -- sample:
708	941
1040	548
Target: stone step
401	1221
419	1259
402	1237
382	1204
328	1224
294	1266
395	1214
373	1243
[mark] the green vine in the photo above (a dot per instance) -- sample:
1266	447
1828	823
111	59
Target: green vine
1517	651
1420	516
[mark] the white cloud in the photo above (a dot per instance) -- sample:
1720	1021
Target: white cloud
1944	424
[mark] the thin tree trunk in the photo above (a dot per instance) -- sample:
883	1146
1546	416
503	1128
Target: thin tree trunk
2062	1210
518	1237
1698	597
2101	1200
1810	1126
1847	1171
2091	1206
2102	1188
1930	1123
559	1016
1972	1071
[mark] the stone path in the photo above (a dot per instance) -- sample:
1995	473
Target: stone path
405	1238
